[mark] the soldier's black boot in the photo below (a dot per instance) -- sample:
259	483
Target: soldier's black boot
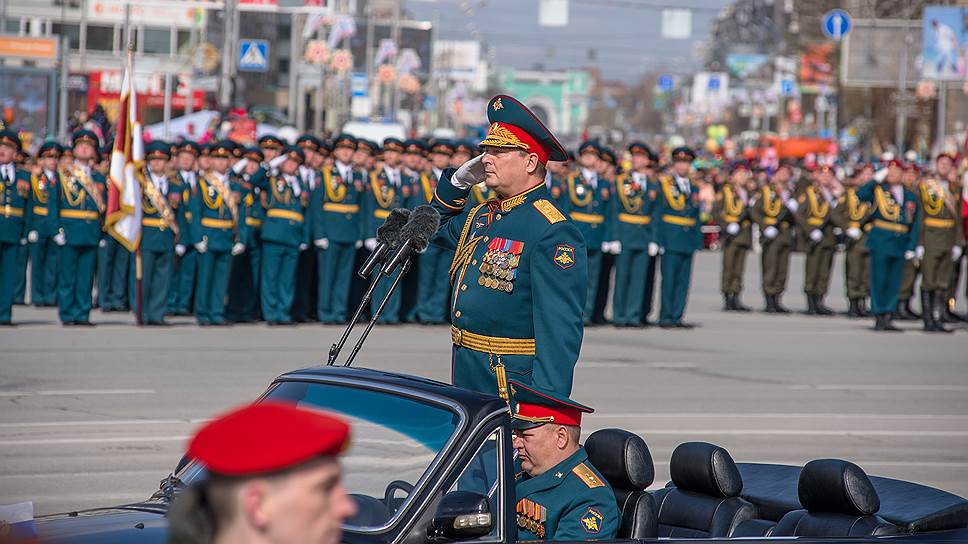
770	304
738	304
821	308
780	308
852	308
886	324
811	304
905	312
926	314
879	322
938	308
727	302
862	307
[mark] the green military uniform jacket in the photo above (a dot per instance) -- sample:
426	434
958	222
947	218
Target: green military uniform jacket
941	227
814	212
383	196
189	194
730	208
852	213
676	215
895	224
16	207
285	218
335	207
75	210
632	213
519	277
570	501
41	186
218	214
588	206
769	210
159	211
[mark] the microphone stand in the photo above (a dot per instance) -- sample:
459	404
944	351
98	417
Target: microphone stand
336	348
376	315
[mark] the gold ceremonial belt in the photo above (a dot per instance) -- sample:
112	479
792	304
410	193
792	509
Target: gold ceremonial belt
587	217
10	211
634	219
932	222
79	214
40	210
340	208
155	222
893	227
253	222
213	223
381	214
491	344
285	214
677	220
815	221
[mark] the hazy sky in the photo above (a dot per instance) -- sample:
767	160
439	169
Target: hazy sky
625	34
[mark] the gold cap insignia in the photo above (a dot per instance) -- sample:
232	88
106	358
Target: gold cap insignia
498	105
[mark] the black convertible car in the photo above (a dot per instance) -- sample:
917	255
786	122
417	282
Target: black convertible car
433	463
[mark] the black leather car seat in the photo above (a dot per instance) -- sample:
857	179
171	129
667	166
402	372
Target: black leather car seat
838	500
705	501
624	460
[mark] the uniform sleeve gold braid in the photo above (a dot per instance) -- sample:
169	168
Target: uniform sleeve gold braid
499	136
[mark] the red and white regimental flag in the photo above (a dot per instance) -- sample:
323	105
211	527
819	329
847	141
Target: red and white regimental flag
127	157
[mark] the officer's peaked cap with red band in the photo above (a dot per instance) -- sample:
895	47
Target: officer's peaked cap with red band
532	407
513	125
267	437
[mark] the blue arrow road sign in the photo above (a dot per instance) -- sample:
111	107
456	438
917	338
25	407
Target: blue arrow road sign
836	24
253	55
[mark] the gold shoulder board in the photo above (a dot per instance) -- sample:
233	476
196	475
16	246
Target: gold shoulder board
549	211
586	475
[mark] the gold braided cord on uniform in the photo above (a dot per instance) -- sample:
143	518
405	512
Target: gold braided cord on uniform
856	210
333	194
212	204
631	205
90	188
732	206
816	209
574	196
378	194
425	183
771	206
39	196
224	197
465	248
157	204
675	202
889	210
933	203
276	195
74	198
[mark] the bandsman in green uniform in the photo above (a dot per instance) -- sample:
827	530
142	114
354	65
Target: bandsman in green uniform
285	233
911	179
218	220
183	278
895	218
731	211
435	262
23	251
16	209
678	235
43	250
160	231
773	211
941	236
586	201
632	228
388	188
337	228
853	217
520	270
814	215
608	171
560	494
79	208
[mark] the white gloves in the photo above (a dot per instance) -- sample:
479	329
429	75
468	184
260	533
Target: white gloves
606	247
771	232
239	166
816	235
202	246
880	175
370	244
732	229
303	246
60	239
238	248
23	241
358	244
853	233
956	252
919	252
32	237
792	205
180	249
616	247
654	249
102	243
909	255
321	243
469	174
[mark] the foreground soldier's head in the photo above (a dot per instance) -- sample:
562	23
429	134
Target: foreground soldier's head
274	477
546	427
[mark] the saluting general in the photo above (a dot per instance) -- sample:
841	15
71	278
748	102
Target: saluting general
520	273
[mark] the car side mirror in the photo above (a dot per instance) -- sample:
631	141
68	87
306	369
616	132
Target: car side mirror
461	515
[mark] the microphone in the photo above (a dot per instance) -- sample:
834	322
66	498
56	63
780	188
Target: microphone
416	235
387	237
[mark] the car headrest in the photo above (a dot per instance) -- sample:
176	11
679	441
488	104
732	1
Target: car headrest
834	485
622	458
705	468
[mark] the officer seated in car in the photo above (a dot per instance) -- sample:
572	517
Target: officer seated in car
560	495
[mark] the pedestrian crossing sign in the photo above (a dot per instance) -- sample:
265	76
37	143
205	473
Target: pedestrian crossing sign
253	55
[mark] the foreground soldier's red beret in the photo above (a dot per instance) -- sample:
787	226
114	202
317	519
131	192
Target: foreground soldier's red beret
267	437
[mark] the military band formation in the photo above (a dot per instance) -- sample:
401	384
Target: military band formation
275	232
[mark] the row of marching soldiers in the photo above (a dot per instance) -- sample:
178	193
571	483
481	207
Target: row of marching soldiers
229	234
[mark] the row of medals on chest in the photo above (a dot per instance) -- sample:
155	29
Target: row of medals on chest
498	270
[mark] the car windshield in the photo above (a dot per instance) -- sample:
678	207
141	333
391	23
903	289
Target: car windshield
395	439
